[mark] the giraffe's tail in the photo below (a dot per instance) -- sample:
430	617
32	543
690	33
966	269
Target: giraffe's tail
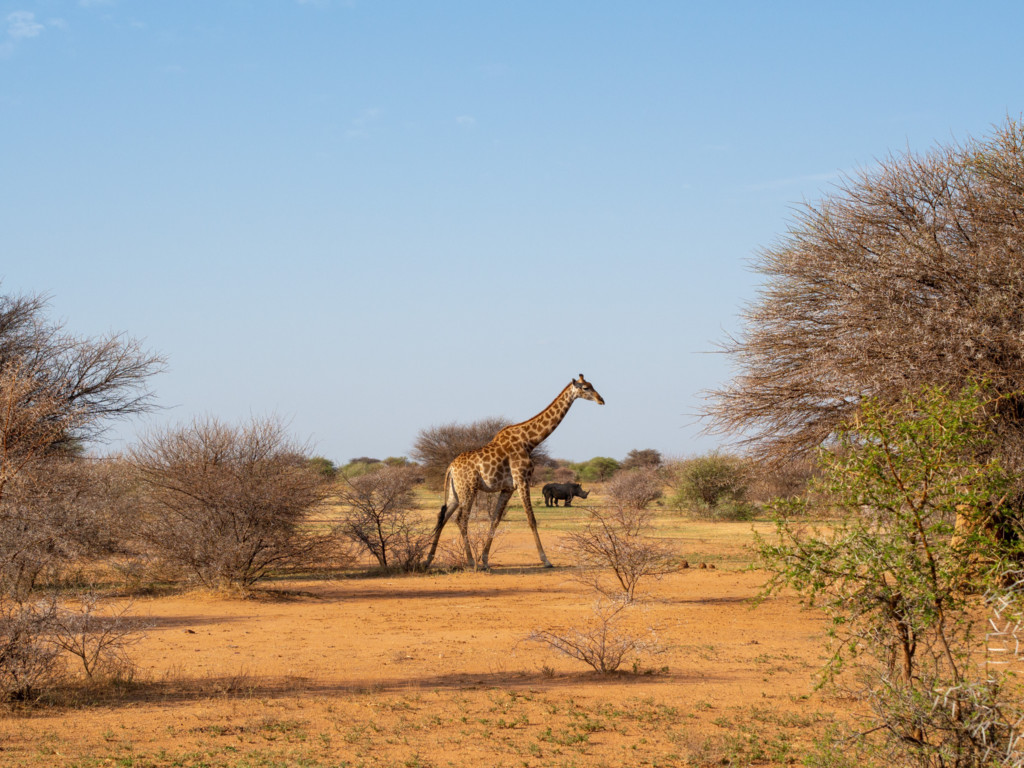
444	506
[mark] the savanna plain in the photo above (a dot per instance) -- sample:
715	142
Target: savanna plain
353	668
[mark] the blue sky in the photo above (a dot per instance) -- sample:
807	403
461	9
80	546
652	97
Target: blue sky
373	217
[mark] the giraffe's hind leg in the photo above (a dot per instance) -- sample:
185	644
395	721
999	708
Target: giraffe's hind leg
447	510
500	505
463	521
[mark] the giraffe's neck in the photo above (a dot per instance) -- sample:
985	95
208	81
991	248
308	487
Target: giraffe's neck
533	432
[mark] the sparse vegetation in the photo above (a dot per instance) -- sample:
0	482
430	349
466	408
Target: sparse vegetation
99	637
907	277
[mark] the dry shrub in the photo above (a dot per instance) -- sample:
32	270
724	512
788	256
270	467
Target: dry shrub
779	480
635	487
37	637
28	659
604	642
563	474
227	503
99	637
59	512
646	458
379	516
56	392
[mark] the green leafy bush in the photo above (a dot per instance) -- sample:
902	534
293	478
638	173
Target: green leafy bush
908	576
714	484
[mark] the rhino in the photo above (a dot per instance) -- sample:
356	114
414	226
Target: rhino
565	491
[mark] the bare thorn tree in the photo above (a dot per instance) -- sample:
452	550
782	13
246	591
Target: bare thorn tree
56	390
28	657
618	541
911	274
83	382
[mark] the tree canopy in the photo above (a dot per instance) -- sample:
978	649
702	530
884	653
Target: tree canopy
910	274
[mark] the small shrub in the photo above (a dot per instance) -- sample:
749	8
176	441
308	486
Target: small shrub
781	480
563	475
728	511
99	639
359	467
604	643
648	458
323	467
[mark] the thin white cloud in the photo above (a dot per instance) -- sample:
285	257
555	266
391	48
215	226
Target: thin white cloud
359	127
23	24
467	120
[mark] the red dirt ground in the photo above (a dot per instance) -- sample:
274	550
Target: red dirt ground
437	670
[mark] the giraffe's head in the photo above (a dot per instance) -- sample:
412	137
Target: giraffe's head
582	388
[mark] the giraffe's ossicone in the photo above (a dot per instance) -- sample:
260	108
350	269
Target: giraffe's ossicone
503	466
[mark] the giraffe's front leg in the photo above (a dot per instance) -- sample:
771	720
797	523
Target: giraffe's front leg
523	484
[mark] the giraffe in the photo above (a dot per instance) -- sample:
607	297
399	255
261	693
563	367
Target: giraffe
503	466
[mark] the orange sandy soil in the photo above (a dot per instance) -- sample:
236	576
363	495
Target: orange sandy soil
436	670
